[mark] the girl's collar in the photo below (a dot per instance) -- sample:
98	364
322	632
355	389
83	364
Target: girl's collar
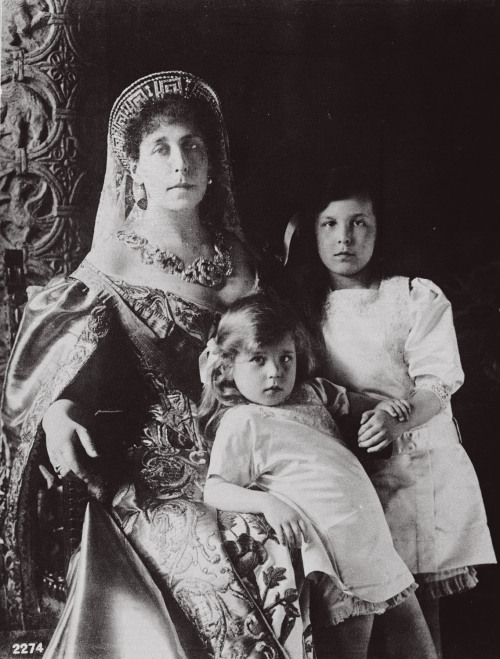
374	286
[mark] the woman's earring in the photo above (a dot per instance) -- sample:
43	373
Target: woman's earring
209	182
140	196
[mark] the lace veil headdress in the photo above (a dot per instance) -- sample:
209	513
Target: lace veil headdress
117	198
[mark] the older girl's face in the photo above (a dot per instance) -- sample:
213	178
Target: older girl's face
346	231
173	166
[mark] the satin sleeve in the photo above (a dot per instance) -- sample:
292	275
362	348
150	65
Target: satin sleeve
232	456
333	396
431	349
53	320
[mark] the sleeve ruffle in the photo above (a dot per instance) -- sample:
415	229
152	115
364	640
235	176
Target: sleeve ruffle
431	349
437	388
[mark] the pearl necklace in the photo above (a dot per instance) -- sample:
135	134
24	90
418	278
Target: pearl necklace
207	272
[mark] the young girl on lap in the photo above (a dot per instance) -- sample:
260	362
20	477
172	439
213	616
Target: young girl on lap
273	430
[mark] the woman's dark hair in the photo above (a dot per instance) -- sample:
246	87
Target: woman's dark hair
306	279
254	321
192	111
177	109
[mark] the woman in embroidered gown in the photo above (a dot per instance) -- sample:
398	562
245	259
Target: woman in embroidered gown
120	339
392	337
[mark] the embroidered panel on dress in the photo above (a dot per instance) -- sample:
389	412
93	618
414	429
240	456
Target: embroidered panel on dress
161	311
395	300
170	457
367	330
303	406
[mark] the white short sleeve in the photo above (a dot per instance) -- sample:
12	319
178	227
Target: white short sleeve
431	350
232	456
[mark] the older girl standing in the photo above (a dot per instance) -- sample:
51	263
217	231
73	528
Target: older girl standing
392	337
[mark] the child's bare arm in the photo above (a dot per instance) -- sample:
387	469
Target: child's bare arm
378	428
284	519
360	403
399	408
223	495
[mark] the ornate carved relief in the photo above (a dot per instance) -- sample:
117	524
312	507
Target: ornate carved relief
25	24
41	199
43	62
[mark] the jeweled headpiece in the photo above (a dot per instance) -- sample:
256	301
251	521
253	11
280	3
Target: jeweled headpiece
117	199
155	86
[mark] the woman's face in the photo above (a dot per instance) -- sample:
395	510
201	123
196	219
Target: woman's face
173	166
346	231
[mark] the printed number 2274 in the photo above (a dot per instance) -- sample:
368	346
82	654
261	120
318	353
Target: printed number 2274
27	648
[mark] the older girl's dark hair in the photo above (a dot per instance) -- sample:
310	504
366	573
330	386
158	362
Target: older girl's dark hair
193	111
306	280
253	322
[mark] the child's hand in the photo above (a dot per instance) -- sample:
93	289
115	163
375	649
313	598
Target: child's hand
396	407
286	521
377	430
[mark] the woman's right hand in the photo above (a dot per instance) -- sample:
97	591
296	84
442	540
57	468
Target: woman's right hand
286	521
69	444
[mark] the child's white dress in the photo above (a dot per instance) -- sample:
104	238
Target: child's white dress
388	343
294	451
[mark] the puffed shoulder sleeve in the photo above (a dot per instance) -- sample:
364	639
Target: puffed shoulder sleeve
333	396
232	456
431	349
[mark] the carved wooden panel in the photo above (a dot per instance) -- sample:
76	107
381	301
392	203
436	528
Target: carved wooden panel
45	67
41	175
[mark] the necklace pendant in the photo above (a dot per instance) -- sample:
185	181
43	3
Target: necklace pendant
206	272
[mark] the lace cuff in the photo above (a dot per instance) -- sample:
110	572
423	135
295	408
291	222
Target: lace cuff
436	387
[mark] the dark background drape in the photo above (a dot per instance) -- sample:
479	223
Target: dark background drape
407	87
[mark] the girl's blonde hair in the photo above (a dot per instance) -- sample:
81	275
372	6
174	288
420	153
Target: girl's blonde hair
253	322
